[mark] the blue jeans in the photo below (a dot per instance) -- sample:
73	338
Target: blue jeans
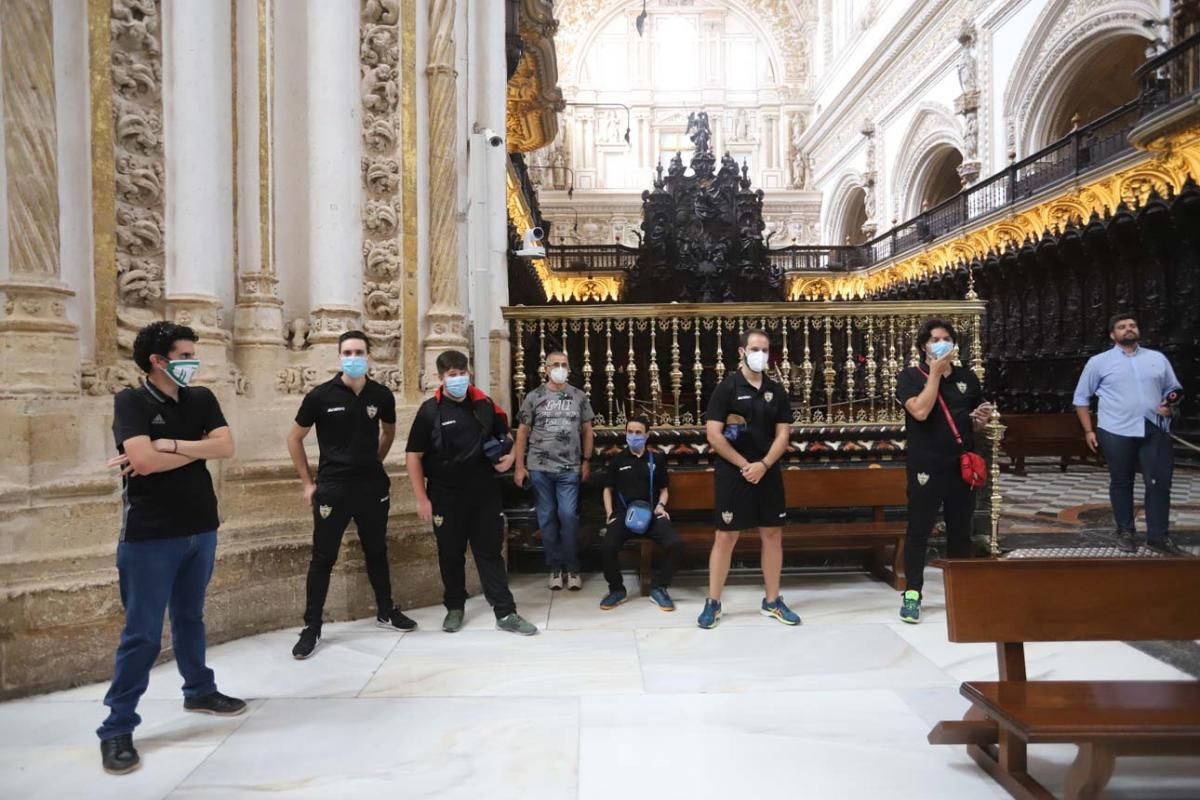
155	576
557	496
1153	453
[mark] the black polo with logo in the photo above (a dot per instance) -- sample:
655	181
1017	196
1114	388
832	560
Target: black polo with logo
930	442
762	408
629	476
178	502
347	427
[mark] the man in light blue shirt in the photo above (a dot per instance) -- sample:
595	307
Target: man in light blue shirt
1132	383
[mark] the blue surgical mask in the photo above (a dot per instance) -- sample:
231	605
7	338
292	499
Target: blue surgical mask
456	386
940	349
354	366
636	441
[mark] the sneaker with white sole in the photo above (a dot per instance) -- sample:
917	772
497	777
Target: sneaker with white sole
310	638
556	580
574	581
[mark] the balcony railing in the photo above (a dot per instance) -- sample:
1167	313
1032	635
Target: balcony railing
1170	76
838	362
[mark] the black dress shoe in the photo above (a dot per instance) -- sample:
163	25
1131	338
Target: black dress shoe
1125	542
1166	547
215	703
118	756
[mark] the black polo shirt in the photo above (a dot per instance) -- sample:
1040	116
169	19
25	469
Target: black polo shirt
179	502
629	476
931	442
459	462
347	427
762	408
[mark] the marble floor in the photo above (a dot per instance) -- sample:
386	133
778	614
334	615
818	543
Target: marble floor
631	703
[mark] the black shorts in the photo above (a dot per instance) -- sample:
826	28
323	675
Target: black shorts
741	505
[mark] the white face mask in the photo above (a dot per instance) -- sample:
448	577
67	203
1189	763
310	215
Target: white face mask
756	360
559	375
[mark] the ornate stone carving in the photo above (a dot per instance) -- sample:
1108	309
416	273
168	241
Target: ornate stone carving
297	333
297	380
138	155
533	99
99	381
967	103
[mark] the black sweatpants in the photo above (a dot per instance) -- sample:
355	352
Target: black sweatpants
471	515
933	489
334	504
660	532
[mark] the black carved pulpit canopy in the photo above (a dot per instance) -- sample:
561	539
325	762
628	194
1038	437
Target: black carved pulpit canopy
703	233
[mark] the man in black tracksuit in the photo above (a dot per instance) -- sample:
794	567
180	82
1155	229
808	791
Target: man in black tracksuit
356	424
458	442
932	453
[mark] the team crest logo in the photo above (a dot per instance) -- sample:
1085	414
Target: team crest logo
962	386
438	520
727	517
325	511
373	410
922	478
768	396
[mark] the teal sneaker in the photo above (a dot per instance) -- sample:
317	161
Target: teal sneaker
515	623
660	598
613	599
454	621
779	611
910	611
710	615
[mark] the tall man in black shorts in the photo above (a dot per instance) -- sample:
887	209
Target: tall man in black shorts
356	424
749	421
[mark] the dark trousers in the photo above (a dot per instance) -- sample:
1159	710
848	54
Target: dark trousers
334	505
660	532
1124	455
157	576
931	490
475	518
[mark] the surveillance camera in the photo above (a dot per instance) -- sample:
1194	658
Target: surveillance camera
493	138
532	247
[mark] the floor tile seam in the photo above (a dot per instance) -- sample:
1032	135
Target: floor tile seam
379	666
241	723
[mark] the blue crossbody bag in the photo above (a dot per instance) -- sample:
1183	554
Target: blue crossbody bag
639	514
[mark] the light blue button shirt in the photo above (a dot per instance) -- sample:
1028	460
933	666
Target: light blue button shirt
1130	387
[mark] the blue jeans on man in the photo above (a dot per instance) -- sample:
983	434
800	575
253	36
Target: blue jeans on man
158	575
557	495
1124	454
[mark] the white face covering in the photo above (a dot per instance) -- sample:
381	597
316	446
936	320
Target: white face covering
756	360
558	375
182	371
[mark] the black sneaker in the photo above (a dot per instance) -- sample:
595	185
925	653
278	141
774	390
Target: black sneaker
1166	547
1125	542
118	756
310	638
216	703
395	620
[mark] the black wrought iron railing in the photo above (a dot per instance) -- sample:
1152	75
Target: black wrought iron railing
1169	77
591	258
814	258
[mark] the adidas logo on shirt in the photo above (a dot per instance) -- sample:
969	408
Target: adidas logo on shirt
158	420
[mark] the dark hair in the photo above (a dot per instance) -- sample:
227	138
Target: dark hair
744	342
1115	318
640	419
157	339
932	324
559	353
354	335
451	359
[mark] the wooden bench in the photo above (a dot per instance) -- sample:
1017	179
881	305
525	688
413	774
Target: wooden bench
821	488
1055	435
1010	602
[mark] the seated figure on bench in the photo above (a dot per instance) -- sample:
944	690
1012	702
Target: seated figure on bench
932	452
636	476
749	422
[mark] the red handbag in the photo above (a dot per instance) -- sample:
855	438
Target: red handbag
971	465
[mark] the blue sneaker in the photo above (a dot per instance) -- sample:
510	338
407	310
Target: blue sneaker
710	615
660	598
910	611
779	611
613	599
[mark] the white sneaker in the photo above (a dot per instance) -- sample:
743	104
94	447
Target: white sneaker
556	580
574	581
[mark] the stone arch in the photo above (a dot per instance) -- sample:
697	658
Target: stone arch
847	210
933	133
1066	36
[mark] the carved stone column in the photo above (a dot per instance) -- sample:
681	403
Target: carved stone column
444	318
967	103
39	350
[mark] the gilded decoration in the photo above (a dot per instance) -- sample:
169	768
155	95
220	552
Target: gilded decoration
533	99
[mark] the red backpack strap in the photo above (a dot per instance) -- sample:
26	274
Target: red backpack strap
945	410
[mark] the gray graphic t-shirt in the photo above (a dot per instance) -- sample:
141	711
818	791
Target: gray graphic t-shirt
554	420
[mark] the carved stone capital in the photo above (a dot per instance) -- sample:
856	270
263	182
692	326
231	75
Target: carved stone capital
203	314
966	102
104	380
446	328
327	323
39	349
36	306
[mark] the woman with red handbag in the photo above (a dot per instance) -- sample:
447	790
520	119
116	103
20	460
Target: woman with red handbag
943	406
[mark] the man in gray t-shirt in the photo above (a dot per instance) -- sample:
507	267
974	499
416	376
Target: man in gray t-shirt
556	424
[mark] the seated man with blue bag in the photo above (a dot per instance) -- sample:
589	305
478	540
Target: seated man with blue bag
635	504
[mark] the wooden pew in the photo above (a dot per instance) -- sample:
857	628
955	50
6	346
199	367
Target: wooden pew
1056	435
870	489
1011	602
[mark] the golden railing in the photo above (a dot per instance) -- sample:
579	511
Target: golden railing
838	360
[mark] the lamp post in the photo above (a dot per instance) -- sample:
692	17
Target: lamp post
995	432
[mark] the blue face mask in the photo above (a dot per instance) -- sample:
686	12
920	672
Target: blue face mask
456	386
940	349
636	441
354	366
